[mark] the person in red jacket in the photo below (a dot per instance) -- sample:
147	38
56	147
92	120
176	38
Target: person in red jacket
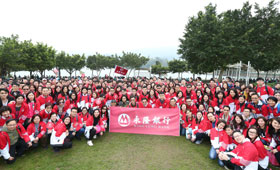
5	114
60	137
231	100
253	135
94	126
225	115
105	116
219	102
248	117
273	107
261	124
44	98
258	106
219	141
5	147
84	115
60	108
20	109
111	96
36	131
71	102
202	128
77	128
144	103
172	104
263	90
191	106
161	102
19	139
99	102
239	124
189	93
244	156
274	132
144	93
46	113
241	104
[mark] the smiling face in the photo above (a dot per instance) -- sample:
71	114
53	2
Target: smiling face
275	124
238	137
252	133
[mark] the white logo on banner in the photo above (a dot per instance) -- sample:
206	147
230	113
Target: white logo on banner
124	120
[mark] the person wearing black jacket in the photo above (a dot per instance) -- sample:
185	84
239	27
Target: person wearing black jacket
5	98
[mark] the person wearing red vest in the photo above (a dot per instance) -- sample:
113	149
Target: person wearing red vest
44	98
253	135
201	128
19	109
219	141
84	115
5	147
244	156
84	99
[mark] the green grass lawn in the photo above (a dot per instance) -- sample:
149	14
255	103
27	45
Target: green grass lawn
121	151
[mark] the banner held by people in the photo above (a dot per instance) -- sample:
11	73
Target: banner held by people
145	121
120	70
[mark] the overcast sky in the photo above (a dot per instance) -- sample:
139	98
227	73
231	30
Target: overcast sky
149	27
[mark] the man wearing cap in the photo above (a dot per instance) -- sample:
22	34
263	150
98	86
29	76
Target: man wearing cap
263	90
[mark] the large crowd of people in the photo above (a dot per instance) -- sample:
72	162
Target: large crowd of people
242	122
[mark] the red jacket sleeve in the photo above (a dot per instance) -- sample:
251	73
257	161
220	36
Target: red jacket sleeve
22	132
42	130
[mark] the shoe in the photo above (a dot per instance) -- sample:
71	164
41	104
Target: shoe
89	143
199	142
94	137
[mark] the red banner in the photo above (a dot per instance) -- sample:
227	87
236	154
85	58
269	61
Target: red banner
152	121
120	70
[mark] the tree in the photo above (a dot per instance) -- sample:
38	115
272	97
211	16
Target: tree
265	38
46	57
177	66
96	62
10	55
74	63
112	61
60	62
132	61
159	69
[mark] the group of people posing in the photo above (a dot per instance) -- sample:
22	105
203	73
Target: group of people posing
242	122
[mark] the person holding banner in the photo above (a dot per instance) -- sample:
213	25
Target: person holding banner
94	127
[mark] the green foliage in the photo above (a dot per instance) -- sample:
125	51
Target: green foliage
133	61
177	66
213	41
159	69
10	55
74	63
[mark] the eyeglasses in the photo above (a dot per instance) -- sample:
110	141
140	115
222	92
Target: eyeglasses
252	132
61	102
226	110
12	125
25	89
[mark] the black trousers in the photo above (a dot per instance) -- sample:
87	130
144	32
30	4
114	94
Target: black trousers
17	150
66	145
277	156
231	165
200	136
92	132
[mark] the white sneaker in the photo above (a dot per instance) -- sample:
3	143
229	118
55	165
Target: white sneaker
89	142
94	137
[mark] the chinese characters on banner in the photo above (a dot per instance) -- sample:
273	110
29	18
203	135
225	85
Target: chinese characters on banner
120	70
145	121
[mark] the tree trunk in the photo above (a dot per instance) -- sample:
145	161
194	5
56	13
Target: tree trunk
206	76
266	74
41	72
258	73
75	73
274	76
59	73
221	75
138	72
193	76
129	72
30	72
178	75
110	72
91	73
213	76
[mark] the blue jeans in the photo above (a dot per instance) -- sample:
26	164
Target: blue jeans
80	132
213	155
182	131
188	132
